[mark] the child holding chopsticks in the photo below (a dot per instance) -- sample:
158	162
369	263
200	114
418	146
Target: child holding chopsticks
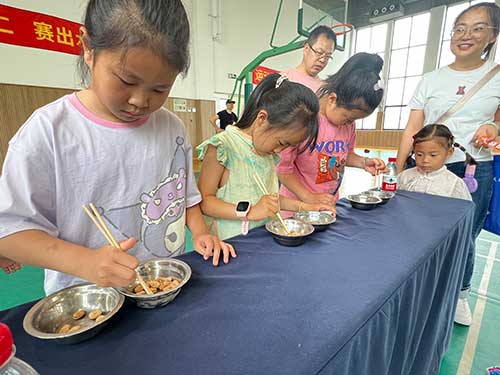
238	180
348	95
112	144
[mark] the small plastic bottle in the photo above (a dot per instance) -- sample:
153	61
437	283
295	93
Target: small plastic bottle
9	364
390	178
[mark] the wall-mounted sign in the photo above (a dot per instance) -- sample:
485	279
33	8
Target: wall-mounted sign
30	29
261	72
180	105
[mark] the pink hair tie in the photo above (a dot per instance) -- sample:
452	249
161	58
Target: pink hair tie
469	178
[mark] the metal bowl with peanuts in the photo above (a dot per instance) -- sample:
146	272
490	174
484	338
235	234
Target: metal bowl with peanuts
298	231
165	276
320	220
73	314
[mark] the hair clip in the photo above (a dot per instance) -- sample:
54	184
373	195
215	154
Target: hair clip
280	80
379	85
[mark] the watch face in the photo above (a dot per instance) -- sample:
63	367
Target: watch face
242	206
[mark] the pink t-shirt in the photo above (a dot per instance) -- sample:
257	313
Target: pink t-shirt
319	170
295	75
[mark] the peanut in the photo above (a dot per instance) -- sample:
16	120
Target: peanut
95	314
65	328
80	313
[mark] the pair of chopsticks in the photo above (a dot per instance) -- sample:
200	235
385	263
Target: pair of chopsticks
264	191
103	228
377	179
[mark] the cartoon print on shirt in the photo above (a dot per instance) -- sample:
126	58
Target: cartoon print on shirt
461	90
159	216
331	160
330	168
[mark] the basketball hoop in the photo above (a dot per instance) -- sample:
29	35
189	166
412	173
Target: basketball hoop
347	28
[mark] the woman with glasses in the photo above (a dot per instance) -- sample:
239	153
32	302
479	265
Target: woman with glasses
318	50
473	37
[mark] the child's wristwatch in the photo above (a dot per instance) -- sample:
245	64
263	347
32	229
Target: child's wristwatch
242	209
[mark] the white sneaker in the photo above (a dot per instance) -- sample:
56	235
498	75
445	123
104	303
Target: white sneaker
463	315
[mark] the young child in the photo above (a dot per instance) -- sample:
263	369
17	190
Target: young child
432	146
111	144
350	94
279	114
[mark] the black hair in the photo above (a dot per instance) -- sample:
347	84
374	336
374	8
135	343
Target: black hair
161	25
321	30
493	11
442	134
355	84
284	104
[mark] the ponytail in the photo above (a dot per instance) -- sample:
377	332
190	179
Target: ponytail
285	103
357	84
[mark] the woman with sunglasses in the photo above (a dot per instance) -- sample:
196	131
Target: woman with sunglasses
473	37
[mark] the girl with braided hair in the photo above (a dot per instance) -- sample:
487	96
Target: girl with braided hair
432	146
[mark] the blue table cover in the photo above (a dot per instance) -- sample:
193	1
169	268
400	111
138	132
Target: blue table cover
374	294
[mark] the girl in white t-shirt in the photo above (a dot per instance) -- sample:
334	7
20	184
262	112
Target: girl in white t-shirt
473	37
112	144
432	146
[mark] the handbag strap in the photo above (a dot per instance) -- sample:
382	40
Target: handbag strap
458	105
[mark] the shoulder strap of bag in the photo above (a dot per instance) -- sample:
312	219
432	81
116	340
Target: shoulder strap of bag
458	105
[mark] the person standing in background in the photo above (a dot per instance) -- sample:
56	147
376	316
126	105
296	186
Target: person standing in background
318	50
473	37
226	117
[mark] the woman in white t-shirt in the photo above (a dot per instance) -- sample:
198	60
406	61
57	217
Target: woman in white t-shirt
473	36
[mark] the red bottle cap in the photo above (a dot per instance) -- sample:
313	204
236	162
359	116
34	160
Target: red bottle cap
392	160
6	344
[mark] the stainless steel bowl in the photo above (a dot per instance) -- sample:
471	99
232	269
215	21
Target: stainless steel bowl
152	269
320	220
364	201
48	315
384	195
300	230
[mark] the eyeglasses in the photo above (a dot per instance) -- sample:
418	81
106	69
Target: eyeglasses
475	31
320	55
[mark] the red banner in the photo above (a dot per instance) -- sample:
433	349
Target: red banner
261	72
30	29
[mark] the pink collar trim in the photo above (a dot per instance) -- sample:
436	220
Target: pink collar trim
100	121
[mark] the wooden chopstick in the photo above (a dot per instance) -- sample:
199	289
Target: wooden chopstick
92	217
265	192
103	228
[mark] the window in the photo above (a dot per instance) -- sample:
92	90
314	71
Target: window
405	67
452	12
371	39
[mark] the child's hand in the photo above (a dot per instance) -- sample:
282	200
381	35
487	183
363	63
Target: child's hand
320	207
320	198
209	245
8	265
374	165
267	206
109	266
